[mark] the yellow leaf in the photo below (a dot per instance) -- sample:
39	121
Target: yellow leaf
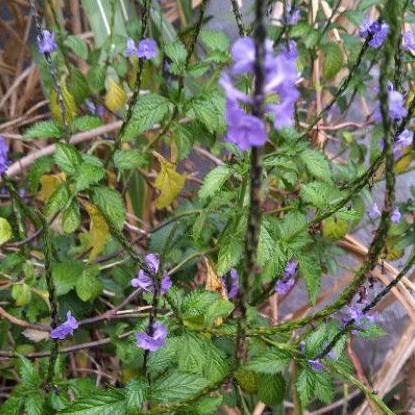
68	100
115	98
169	182
6	232
403	162
213	282
98	231
49	182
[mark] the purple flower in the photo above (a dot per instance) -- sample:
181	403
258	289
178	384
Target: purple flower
232	94
65	328
145	282
3	155
403	140
379	31
293	15
374	212
243	55
147	49
234	286
360	320
397	110
131	48
290	269
316	365
289	50
46	42
396	215
244	130
155	341
284	287
408	41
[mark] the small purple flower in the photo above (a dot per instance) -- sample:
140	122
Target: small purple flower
131	49
361	320
403	140
46	42
147	49
145	282
316	365
408	41
379	31
397	109
243	54
284	287
234	286
396	215
374	212
155	341
65	328
3	155
289	50
293	15
290	269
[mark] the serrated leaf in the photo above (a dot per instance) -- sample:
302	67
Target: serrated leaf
115	98
34	403
215	40
169	182
177	387
334	228
196	302
67	157
65	275
230	251
86	123
78	85
333	60
96	78
41	166
209	111
214	181
49	183
270	362
88	174
28	373
319	194
176	52
21	294
88	286
136	393
98	231
310	269
78	46
71	218
317	164
69	104
43	129
271	389
305	385
111	204
323	387
57	200
101	402
129	159
12	406
149	110
6	232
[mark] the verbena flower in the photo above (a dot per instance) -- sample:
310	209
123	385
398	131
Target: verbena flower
361	320
147	49
245	130
232	291
404	139
396	105
131	49
316	365
3	155
47	43
65	328
293	15
396	215
379	31
155	341
373	212
290	269
408	41
145	282
284	285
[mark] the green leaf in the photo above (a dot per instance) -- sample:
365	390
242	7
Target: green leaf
41	166
317	164
305	385
129	159
111	204
323	387
231	248
271	389
34	403
209	111
88	285
177	386
44	129
57	200
12	406
220	308
136	394
214	181
88	174
96	78
178	54
65	275
310	269
319	194
215	40
333	59
71	218
270	362
78	85
86	123
101	402
78	46
149	110
28	373
21	294
6	232
67	157
196	302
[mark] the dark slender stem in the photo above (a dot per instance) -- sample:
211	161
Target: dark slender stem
238	17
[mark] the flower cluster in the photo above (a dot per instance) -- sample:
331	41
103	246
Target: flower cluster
396	105
3	155
46	42
145	282
378	30
146	48
284	285
374	213
246	130
232	291
292	15
154	340
66	328
408	41
360	320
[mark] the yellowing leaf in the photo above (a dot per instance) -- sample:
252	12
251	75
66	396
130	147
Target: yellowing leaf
169	182
334	228
98	231
49	183
69	102
404	161
6	232
213	282
115	98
